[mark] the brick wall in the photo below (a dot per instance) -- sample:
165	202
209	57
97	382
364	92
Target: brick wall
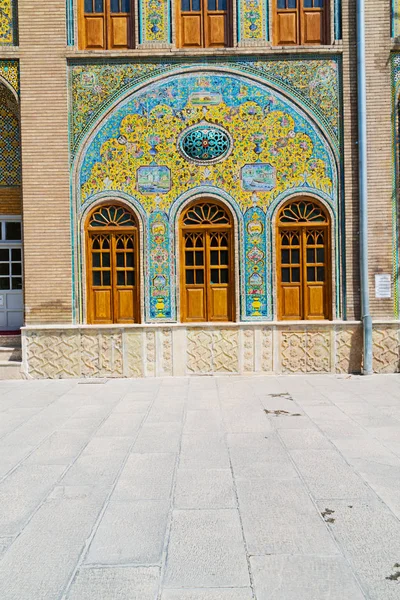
44	133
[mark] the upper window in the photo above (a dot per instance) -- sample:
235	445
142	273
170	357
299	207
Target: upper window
112	266
304	266
207	290
105	24
299	22
203	23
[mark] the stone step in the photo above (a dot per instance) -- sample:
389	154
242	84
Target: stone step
10	353
11	369
13	341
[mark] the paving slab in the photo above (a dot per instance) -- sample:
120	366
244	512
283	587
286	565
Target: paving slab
204	488
208	594
126	583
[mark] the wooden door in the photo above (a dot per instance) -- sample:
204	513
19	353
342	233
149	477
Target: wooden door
300	22
290	272
100	301
194	276
219	275
315	249
203	23
105	24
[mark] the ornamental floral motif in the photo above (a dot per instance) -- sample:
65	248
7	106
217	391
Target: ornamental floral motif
253	20
205	143
6	22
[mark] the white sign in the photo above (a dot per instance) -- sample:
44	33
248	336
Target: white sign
383	285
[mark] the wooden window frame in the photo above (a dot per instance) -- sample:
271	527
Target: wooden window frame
301	14
205	230
303	228
112	231
108	23
205	33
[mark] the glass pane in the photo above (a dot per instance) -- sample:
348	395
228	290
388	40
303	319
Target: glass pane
120	277
95	259
214	275
114	6
199	259
318	3
224	257
281	4
13	231
286	275
295	240
212	4
310	273
96	278
189	243
16	283
130	278
295	257
199	242
129	259
224	274
88	6
190	276
214	257
296	275
214	242
120	260
4	269
310	255
292	3
106	259
285	257
4	256
16	268
125	6
222	5
308	3
200	277
320	274
106	278
320	255
120	244
98	6
106	244
196	5
185	5
189	258
4	283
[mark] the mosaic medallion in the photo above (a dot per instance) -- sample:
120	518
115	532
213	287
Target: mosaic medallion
205	143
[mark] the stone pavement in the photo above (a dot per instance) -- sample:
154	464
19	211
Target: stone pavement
225	488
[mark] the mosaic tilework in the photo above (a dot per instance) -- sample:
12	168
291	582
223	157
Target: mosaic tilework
9	72
10	157
275	148
7	23
395	18
395	145
70	23
313	81
154	16
253	19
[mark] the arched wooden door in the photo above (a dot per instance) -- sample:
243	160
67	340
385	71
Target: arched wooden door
207	282
112	266
303	262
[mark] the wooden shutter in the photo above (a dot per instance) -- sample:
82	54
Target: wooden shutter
313	22
216	23
300	22
203	23
105	24
119	24
286	24
191	24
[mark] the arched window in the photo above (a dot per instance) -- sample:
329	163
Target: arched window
298	22
303	265
207	287
105	24
112	266
204	23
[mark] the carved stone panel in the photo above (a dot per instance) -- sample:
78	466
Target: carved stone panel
386	350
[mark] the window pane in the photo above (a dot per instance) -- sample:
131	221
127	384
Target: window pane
120	260
4	269
214	275
16	268
281	4
308	3
292	3
310	273
320	274
114	6
106	278
190	276
129	259
224	257
4	283
222	5
310	255
106	259
212	4
185	5
4	256
196	5
95	259
200	277
296	275
199	259
214	257
125	6
88	6
130	278
286	275
16	283
16	254
295	257
318	3
13	231
189	257
96	278
224	274
120	277
98	6
285	257
320	255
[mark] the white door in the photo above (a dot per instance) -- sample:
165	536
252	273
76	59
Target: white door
11	295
